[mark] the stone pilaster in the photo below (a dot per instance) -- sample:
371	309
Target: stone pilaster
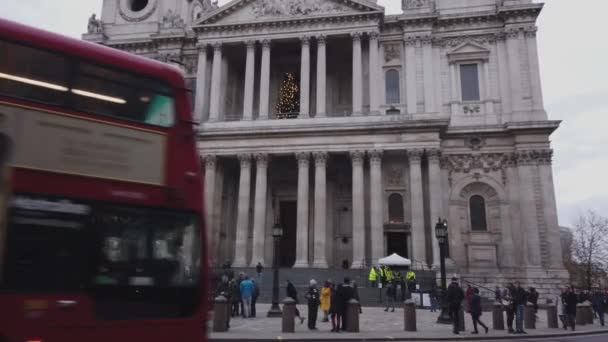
357	158
210	161
357	76
428	67
527	199
320	258
321	76
305	78
435	192
265	81
374	72
410	74
249	81
535	84
242	221
216	81
550	209
201	83
303	159
259	214
418	234
376	208
513	51
503	73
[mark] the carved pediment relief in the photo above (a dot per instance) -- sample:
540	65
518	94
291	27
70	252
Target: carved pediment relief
468	51
244	11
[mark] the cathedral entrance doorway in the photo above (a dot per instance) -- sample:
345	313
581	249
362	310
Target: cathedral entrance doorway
289	222
396	242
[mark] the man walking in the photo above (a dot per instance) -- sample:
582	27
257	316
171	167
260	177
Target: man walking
509	308
258	270
570	300
599	305
520	297
454	297
247	289
313	304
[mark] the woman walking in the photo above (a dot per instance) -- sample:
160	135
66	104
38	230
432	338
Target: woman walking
325	300
335	308
475	310
293	294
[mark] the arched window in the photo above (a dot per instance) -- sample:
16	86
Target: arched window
392	86
477	205
395	208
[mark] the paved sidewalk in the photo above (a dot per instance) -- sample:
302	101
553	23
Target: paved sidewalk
375	324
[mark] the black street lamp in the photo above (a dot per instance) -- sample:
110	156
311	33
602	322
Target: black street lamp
275	310
441	233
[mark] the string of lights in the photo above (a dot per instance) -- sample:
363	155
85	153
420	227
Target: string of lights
289	96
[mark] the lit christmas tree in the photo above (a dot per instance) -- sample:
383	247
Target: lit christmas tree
289	97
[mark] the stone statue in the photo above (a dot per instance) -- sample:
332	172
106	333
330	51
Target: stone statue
413	4
172	20
292	8
95	26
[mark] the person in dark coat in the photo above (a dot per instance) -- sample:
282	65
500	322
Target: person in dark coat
391	295
533	299
293	294
508	306
254	297
598	301
454	297
569	300
335	308
313	298
345	294
224	288
475	311
236	297
520	297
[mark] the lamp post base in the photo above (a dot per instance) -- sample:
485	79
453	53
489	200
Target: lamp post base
275	311
444	317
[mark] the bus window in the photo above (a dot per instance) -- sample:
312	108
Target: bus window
23	75
6	147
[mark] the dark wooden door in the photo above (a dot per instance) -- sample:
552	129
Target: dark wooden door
396	242
289	221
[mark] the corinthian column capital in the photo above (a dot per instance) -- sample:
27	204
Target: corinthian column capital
303	159
320	158
210	160
434	154
357	157
261	159
375	156
415	155
245	159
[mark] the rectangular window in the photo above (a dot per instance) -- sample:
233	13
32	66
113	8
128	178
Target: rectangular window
469	82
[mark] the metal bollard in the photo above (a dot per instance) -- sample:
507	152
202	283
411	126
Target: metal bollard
498	320
552	317
352	316
220	314
409	315
529	317
289	312
580	314
461	325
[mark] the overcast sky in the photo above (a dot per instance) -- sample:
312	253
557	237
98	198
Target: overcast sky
574	66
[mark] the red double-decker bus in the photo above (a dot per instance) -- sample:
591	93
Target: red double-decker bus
101	231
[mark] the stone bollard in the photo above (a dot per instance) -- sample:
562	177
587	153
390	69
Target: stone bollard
461	325
580	314
529	317
352	316
552	317
498	320
289	312
588	312
409	315
220	314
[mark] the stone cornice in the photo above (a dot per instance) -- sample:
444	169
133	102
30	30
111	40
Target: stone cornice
520	11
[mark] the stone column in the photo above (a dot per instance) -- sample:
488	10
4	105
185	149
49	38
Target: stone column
210	176
535	84
305	78
429	87
249	81
320	259
216	82
487	86
526	169
418	234
376	212
357	76
550	209
303	159
259	215
265	81
435	194
321	77
374	72
513	44
410	74
242	221
201	83
503	73
357	158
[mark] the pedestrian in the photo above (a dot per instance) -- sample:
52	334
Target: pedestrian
313	304
258	270
326	300
247	289
410	278
356	295
533	299
508	306
254	297
224	289
434	297
599	305
345	294
497	294
373	277
454	297
570	300
391	294
334	308
293	294
519	297
236	297
475	310
467	298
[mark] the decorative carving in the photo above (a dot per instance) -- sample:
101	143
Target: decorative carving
530	32
250	44
217	46
266	43
473	109
202	47
321	39
303	159
475	142
500	36
305	40
356	36
459	40
415	4
392	51
245	159
261	160
410	40
375	157
465	163
169	57
320	158
172	20
142	15
545	157
292	8
426	39
415	155
190	65
210	160
95	26
512	33
434	155
357	157
374	35
395	176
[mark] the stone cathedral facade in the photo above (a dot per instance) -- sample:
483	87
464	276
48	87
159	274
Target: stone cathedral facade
395	121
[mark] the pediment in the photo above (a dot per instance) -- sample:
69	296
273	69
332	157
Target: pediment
468	51
247	11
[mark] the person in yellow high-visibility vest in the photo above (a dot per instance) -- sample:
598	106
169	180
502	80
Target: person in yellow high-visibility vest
389	274
410	278
373	276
